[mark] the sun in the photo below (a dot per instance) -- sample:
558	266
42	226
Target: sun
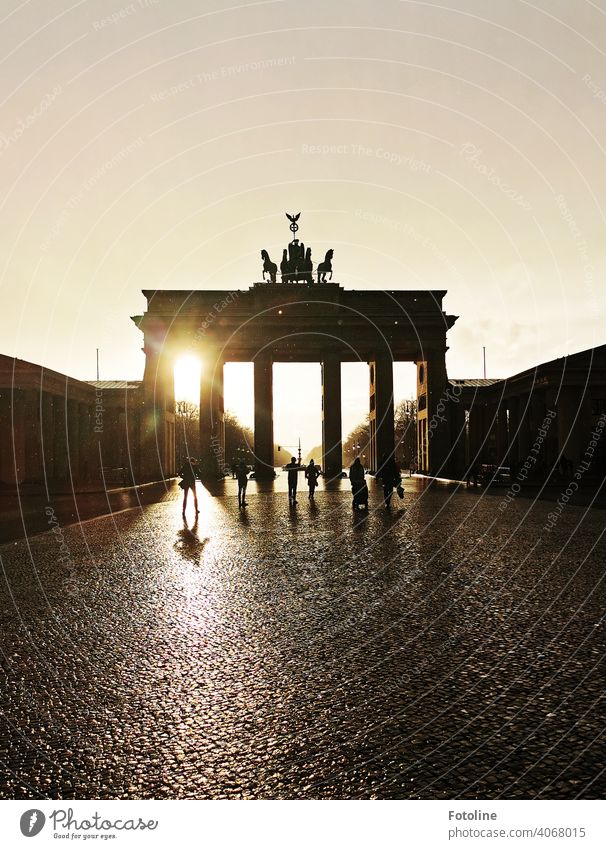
187	379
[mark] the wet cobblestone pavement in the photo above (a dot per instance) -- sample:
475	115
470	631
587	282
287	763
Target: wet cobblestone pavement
446	649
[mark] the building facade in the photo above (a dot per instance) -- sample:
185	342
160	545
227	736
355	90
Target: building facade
59	432
544	418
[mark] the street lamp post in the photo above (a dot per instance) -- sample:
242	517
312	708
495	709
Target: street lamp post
280	447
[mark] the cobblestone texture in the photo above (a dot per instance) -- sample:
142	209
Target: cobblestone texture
443	650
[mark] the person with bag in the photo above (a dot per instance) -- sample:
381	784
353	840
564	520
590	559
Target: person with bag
312	473
389	475
189	471
359	490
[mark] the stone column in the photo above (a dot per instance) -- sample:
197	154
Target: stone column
212	420
47	428
135	411
167	366
421	415
158	405
33	447
264	416
458	434
18	441
514	424
381	409
152	423
524	441
489	431
98	441
502	434
539	468
476	432
422	445
437	410
219	417
14	457
584	426
568	419
85	465
7	471
549	448
73	439
537	412
332	452
60	439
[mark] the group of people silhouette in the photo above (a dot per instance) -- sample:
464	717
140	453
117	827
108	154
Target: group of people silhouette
312	473
387	472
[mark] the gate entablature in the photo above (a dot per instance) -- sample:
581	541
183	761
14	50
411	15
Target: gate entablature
403	324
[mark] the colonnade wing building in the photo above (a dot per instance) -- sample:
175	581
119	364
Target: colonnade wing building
272	322
543	421
59	432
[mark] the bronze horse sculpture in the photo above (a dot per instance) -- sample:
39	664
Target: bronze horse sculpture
269	267
325	267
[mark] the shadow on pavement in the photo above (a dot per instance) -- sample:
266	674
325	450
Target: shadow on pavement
35	513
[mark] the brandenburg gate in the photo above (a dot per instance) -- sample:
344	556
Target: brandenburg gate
297	318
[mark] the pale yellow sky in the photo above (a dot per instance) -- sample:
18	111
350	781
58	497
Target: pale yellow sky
455	145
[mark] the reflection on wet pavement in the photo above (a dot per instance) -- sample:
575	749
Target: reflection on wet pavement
443	649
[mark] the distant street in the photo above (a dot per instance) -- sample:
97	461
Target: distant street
445	649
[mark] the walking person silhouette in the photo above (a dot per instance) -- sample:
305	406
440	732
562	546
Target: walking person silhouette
189	471
389	474
312	473
293	477
359	490
242	475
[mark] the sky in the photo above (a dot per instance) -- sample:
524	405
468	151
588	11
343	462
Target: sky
451	145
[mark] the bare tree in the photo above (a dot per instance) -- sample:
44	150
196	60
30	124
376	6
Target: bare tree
405	431
239	441
405	436
187	431
356	444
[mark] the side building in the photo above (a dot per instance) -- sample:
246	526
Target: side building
545	419
60	432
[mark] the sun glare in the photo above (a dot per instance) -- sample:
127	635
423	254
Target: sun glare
187	379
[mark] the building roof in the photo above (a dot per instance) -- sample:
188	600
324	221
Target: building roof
576	367
115	384
475	381
16	374
594	355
